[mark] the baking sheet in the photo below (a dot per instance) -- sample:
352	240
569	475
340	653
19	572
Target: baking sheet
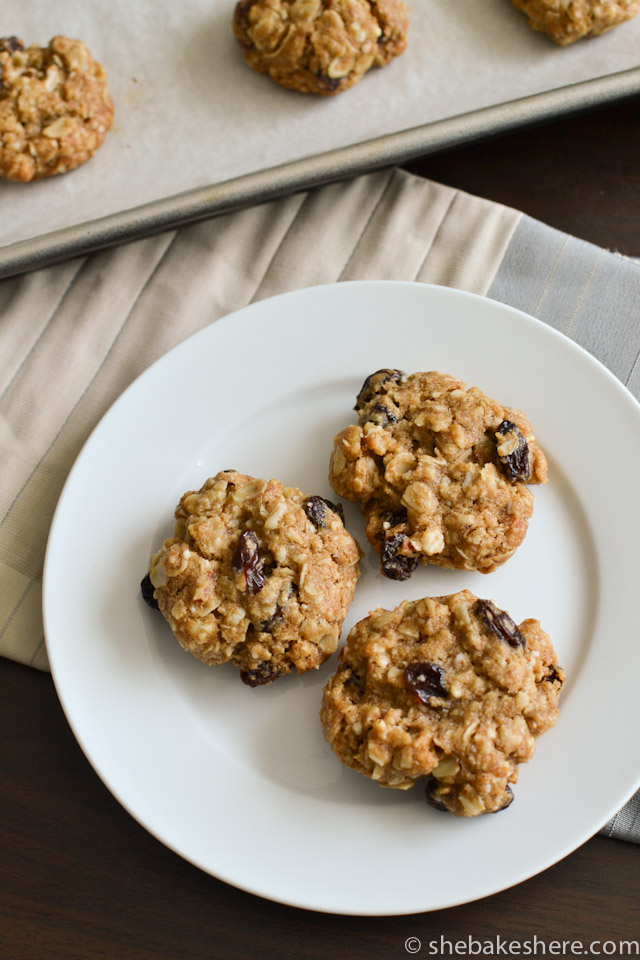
190	115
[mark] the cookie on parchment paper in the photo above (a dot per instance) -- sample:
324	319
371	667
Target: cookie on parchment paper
320	46
566	21
55	108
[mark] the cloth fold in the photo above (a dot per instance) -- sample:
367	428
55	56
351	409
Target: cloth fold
74	336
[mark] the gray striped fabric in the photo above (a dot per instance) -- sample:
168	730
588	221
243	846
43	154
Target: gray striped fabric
72	337
565	282
626	823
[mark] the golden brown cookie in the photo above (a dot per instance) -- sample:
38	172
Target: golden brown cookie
448	689
320	46
55	108
566	21
440	471
256	573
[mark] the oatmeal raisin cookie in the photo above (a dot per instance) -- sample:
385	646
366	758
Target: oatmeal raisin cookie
55	108
320	46
440	470
566	21
448	689
256	573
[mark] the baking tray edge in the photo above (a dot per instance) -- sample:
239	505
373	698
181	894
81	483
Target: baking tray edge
204	202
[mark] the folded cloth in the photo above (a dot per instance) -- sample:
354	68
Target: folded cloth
73	336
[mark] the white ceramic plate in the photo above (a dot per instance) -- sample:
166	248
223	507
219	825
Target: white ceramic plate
240	781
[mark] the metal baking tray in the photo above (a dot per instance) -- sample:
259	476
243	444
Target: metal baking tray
231	194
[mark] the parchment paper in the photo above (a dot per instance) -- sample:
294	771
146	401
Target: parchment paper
191	113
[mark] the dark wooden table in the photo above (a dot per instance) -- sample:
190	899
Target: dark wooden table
80	879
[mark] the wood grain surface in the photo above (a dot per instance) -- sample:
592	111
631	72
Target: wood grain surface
579	174
79	878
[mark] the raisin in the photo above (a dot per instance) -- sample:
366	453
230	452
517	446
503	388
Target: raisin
394	565
263	673
508	800
246	559
391	520
425	680
329	83
516	465
430	789
316	508
500	623
10	44
354	682
146	589
553	675
380	415
268	625
374	384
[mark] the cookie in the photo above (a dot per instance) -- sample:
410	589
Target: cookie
55	108
440	471
566	21
256	573
444	688
320	46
